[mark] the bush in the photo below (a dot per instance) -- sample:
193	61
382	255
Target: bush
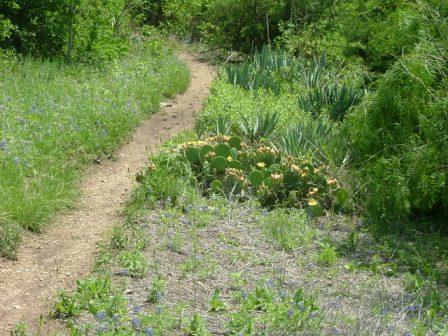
401	133
89	30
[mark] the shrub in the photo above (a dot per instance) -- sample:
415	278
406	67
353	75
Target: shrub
401	133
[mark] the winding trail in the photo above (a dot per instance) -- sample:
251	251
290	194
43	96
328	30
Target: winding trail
66	250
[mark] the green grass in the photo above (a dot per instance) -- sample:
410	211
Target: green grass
56	118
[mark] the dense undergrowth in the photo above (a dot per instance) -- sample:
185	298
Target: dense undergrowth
57	117
378	67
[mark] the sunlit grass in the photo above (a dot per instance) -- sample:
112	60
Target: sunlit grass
56	117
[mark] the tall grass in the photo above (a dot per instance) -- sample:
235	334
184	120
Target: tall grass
55	118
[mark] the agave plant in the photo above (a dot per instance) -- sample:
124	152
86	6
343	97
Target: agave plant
258	128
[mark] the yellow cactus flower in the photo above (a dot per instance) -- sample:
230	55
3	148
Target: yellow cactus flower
312	202
261	164
229	158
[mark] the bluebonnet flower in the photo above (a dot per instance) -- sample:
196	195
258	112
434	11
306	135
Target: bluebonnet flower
270	283
149	332
413	308
137	309
3	145
290	313
136	323
407	333
159	310
101	316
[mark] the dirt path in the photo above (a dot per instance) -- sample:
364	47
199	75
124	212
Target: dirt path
65	252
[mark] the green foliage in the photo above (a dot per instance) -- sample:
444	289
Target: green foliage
402	128
257	129
265	312
88	30
157	289
94	295
134	263
10	237
56	118
216	303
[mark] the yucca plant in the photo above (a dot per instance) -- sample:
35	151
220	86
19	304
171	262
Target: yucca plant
308	137
313	73
258	128
222	125
341	99
261	72
337	100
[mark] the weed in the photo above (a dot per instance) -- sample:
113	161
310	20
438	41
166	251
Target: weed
216	303
327	254
157	289
134	263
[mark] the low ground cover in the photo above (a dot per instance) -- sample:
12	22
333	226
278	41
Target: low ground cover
57	117
185	263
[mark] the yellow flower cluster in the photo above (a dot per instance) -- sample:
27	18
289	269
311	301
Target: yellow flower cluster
152	166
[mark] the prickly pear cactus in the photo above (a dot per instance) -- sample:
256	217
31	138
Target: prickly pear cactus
193	155
219	163
223	150
235	142
256	178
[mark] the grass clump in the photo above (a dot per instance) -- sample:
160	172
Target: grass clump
58	117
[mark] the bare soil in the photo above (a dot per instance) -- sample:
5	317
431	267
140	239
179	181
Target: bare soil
65	252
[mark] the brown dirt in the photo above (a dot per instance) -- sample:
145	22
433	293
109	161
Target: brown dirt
65	251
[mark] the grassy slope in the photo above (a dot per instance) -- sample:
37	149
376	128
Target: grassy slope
57	117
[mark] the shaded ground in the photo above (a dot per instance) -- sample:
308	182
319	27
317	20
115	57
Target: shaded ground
66	250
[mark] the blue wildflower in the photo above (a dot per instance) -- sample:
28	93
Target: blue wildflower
137	309
149	332
3	145
159	310
101	316
136	323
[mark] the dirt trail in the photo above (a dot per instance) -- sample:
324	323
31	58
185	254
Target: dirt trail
65	251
